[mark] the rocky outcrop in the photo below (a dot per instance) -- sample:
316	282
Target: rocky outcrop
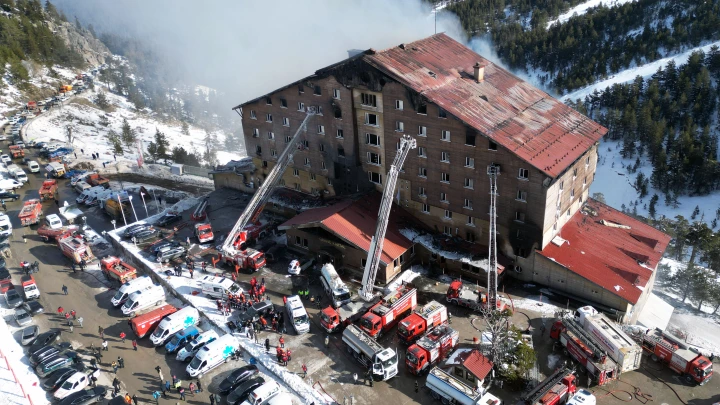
93	51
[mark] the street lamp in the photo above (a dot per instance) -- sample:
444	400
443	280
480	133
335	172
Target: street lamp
84	219
113	222
133	208
142	195
122	210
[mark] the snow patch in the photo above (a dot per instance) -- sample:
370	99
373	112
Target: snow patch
12	351
582	8
406	276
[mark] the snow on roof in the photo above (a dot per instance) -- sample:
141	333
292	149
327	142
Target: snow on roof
429	242
609	249
242	165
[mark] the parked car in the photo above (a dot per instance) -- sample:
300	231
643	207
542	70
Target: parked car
5	273
170	254
134	228
145	234
44	354
29	335
5	159
255	311
57	378
13	298
239	394
46	339
86	396
22	317
164	246
168	219
33	307
44	369
237	377
75	383
6	195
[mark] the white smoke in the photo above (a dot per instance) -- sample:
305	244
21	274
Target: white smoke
245	49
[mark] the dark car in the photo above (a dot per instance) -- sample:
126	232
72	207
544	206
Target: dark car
132	229
55	363
47	352
8	195
13	298
86	396
40	145
243	389
145	234
164	246
29	335
33	308
256	310
167	255
5	273
168	219
58	377
46	339
237	377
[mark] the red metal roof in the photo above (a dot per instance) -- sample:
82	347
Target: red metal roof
477	364
609	248
529	122
355	223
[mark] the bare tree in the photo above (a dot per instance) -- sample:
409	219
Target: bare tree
497	327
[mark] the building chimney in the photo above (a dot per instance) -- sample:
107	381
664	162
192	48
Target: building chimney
479	72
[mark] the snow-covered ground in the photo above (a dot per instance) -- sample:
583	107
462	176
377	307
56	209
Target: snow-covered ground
630	74
582	8
189	288
20	370
616	185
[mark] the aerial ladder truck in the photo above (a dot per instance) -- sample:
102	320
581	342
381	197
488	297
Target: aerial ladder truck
332	319
233	250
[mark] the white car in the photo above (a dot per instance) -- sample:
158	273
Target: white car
5	159
33	166
75	383
53	221
294	267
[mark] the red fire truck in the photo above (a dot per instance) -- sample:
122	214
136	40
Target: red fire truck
389	311
48	189
250	259
16	151
422	320
583	348
692	366
431	349
75	248
31	212
463	296
114	268
204	232
557	389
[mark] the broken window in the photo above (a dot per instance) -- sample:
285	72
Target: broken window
422	108
371	119
341	151
268	101
338	113
442	113
492	145
372	139
339	133
523	174
336	94
283	103
369	100
426	208
375	177
470	139
399	104
373	158
317	91
301	89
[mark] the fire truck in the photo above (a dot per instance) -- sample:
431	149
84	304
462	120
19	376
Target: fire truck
17	151
75	248
31	212
692	366
48	189
557	389
390	310
114	268
431	349
204	232
619	346
421	321
461	295
249	259
583	348
47	233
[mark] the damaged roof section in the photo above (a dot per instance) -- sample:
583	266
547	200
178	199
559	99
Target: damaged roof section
610	249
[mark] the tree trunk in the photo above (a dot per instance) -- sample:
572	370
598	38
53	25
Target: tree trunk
700	306
717	306
693	252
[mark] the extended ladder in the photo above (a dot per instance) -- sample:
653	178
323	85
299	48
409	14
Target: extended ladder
541	389
588	340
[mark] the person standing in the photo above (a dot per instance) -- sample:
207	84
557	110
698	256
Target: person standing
128	399
167	385
73	314
417	387
267	345
134	399
212	399
282	341
355	377
65	289
304	369
191	387
101	332
199	386
156	395
121	362
80	321
182	393
114	366
122	336
134	343
105	345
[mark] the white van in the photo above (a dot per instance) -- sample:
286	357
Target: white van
33	166
87	193
20	175
10	184
193	346
140	300
132	286
281	398
262	394
53	221
81	187
297	314
184	318
212	355
219	287
5	225
334	287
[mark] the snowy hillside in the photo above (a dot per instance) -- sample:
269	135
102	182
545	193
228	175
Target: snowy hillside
582	8
616	185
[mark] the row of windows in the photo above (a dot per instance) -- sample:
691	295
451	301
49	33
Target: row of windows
521	195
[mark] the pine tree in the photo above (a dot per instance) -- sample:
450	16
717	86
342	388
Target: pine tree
51	10
185	128
128	135
77	24
653	203
641	185
161	146
695	212
102	101
115	141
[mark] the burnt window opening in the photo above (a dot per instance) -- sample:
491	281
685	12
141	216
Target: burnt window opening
283	103
264	164
317	91
268	101
369	100
442	113
422	108
492	145
338	113
258	149
341	151
470	139
301	89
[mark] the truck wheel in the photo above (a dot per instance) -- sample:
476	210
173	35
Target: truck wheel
565	352
435	395
445	401
654	358
688	378
158	303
